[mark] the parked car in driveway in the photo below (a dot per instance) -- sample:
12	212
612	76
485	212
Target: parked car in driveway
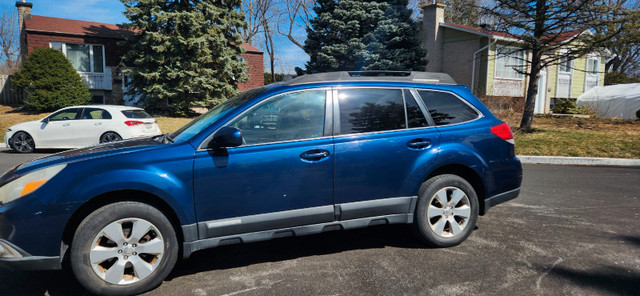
81	126
337	151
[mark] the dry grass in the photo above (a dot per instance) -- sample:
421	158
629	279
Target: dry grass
590	137
9	117
171	124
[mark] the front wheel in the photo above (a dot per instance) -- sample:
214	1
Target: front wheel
123	248
22	142
447	210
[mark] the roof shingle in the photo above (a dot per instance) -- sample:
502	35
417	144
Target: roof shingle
86	28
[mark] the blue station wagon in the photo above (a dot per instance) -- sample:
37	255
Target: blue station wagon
321	152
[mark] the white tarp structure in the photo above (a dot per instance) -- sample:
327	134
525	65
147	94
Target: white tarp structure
621	101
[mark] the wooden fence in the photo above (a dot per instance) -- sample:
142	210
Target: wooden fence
8	96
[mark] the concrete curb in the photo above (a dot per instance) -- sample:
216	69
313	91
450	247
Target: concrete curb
579	160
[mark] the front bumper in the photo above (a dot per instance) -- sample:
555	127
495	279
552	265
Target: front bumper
12	257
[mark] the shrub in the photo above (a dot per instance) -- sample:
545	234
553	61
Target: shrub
50	82
567	106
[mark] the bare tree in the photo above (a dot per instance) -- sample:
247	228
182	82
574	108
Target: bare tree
625	46
295	15
9	42
261	17
542	28
268	44
255	12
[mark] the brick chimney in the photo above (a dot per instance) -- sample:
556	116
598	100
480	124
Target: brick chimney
24	12
432	17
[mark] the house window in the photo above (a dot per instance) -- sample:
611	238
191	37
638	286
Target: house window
566	65
593	65
84	57
509	62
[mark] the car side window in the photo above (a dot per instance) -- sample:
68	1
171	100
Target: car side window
445	108
371	110
293	116
415	117
67	114
95	113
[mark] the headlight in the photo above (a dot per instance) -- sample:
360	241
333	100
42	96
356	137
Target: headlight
8	130
28	183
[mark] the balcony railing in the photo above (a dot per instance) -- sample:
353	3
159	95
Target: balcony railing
101	81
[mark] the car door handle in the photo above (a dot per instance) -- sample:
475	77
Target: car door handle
419	143
97	123
66	124
314	155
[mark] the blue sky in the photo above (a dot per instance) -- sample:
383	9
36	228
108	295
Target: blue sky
288	55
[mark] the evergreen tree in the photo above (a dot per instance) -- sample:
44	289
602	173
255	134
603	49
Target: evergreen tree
184	52
50	82
335	41
395	43
350	35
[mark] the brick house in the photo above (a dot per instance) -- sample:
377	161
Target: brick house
484	60
93	51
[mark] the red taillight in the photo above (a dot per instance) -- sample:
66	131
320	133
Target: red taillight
133	122
503	131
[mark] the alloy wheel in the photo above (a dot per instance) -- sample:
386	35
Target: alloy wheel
449	211
126	251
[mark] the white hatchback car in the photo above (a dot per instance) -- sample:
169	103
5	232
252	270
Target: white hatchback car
80	126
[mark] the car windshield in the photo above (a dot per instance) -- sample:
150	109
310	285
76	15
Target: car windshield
203	121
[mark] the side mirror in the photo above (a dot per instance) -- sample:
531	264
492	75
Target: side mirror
45	120
226	137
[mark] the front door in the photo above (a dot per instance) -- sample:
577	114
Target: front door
281	176
58	130
541	97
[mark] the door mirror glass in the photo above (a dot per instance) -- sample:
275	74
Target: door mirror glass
226	137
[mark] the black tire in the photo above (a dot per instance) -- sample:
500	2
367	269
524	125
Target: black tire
22	142
428	228
92	233
110	137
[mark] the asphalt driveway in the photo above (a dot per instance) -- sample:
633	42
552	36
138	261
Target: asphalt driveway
573	231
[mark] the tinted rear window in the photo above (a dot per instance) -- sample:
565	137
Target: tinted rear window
371	110
446	108
136	114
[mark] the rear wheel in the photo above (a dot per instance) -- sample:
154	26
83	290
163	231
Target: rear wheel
124	248
22	142
110	137
447	210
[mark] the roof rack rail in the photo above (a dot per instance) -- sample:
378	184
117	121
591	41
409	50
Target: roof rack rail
400	76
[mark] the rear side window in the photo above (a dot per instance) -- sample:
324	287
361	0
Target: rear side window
415	117
95	113
446	108
135	114
371	110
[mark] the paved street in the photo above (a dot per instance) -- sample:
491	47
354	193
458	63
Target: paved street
573	231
